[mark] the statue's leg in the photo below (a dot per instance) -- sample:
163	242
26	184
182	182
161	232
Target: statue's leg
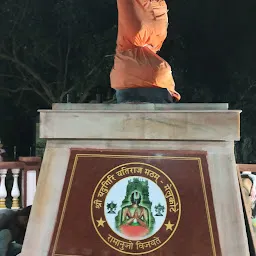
143	95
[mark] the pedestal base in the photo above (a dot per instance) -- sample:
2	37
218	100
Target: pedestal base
208	218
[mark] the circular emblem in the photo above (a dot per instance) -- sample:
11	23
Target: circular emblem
135	208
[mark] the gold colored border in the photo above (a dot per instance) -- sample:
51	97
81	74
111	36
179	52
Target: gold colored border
133	156
207	206
162	244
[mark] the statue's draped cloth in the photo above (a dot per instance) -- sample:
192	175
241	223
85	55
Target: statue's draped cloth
142	29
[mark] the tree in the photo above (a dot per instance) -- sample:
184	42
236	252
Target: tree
53	50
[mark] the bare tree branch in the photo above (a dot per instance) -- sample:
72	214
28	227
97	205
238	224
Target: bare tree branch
20	98
10	76
47	100
98	65
33	86
59	74
66	92
66	66
14	48
252	84
86	92
21	89
92	85
22	15
50	62
32	73
41	62
43	55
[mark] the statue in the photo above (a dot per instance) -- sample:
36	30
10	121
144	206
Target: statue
139	74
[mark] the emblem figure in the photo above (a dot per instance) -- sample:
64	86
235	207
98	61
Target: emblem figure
135	215
135	218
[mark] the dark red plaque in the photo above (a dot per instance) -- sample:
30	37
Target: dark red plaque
156	203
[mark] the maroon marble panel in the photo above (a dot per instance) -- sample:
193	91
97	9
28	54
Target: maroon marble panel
156	203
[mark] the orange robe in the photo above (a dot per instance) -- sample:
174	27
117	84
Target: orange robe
142	29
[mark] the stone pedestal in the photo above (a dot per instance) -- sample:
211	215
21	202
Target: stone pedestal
188	146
